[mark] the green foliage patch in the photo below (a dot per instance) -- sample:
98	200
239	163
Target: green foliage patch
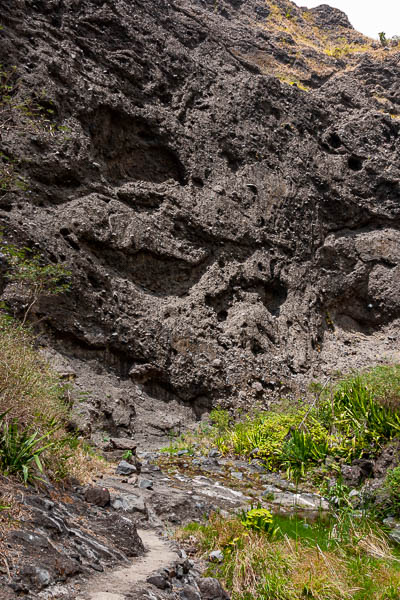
35	403
334	558
354	419
258	519
392	486
34	277
20	448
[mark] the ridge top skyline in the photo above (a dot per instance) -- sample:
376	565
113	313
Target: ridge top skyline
367	16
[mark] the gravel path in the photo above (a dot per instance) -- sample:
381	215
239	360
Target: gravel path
116	584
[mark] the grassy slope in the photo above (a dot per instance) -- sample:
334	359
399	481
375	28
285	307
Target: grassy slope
36	404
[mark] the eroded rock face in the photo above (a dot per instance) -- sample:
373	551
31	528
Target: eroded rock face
229	235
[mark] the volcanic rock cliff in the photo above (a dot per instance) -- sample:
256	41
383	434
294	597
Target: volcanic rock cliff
222	178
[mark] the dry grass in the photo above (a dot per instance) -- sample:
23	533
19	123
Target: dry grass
85	465
375	545
345	50
257	567
319	573
37	398
29	389
34	396
315	50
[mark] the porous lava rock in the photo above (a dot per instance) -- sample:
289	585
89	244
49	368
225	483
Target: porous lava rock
97	495
230	233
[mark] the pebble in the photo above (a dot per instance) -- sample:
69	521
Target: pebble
216	556
129	503
145	484
214	453
270	489
354	493
395	535
158	581
391	522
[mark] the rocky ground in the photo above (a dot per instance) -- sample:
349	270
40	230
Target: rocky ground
85	544
114	539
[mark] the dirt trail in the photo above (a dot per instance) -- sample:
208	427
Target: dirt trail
116	584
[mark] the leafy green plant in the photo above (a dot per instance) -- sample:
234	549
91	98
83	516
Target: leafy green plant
337	494
384	383
392	486
21	449
358	421
266	435
258	519
127	455
301	450
220	419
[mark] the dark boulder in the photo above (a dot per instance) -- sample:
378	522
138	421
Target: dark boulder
98	496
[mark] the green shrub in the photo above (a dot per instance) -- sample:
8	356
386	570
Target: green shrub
382	38
337	494
357	417
392	486
20	450
258	519
220	419
272	437
301	451
358	421
384	383
265	433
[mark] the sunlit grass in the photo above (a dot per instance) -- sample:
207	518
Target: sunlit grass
303	561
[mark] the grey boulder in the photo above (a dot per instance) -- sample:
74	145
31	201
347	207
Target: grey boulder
125	468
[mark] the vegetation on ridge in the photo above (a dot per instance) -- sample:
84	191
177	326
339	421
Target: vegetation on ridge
34	412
